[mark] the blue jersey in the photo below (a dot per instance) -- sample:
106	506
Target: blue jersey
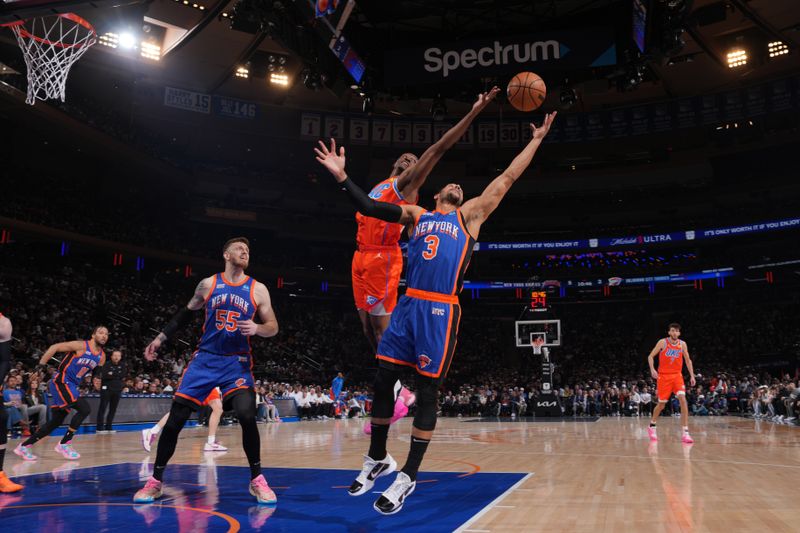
439	252
226	305
77	364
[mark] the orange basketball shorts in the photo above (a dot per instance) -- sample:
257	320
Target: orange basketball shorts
211	397
376	275
669	384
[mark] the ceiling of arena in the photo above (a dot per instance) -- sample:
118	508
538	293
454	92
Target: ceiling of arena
201	50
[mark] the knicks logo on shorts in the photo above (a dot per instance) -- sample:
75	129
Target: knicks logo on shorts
240	382
423	361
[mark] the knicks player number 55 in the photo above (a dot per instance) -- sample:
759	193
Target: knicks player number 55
227	319
433	247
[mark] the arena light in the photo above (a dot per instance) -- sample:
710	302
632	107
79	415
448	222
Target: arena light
109	39
777	48
151	51
127	41
242	72
737	58
279	79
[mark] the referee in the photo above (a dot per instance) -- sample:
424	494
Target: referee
112	375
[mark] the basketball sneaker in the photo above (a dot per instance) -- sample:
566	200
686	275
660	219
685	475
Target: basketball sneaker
7	486
260	489
25	453
67	451
687	439
371	471
216	447
148	438
400	411
391	501
408	397
651	432
151	491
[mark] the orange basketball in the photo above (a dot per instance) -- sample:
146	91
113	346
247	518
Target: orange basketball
526	91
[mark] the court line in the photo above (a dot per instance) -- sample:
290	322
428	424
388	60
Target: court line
232	522
465	526
71	470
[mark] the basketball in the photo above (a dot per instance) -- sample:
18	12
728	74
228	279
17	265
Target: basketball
526	91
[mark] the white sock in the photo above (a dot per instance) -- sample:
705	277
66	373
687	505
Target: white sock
155	430
212	439
686	429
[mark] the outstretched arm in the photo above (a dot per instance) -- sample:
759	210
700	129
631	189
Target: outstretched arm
335	163
477	210
269	323
61	347
181	318
414	177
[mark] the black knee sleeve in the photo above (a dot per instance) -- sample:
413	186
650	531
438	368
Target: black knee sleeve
427	395
3	425
244	405
82	410
386	391
5	360
178	415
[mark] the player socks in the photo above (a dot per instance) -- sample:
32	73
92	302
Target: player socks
68	436
652	424
415	455
377	442
212	439
686	429
2	457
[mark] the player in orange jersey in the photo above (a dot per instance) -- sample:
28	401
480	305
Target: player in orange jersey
672	352
378	262
213	401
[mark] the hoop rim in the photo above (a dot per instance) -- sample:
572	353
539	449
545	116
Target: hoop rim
69	16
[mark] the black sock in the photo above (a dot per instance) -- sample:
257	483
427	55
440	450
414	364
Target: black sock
2	457
415	455
68	436
377	442
158	472
652	424
251	442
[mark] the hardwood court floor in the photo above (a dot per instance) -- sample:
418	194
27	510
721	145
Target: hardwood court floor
740	475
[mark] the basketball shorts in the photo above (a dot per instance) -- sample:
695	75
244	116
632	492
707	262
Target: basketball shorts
422	335
213	396
206	371
376	275
669	384
64	393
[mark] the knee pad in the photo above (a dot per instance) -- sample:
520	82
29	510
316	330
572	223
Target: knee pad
178	415
387	387
427	396
244	405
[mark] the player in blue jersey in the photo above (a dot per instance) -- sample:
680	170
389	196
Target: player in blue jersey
82	358
422	333
232	301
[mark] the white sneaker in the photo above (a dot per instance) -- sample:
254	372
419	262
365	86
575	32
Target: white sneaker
215	447
148	438
371	471
391	501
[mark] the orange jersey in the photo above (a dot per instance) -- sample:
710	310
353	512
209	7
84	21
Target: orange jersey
374	234
670	359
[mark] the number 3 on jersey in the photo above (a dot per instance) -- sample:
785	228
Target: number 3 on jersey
227	319
433	247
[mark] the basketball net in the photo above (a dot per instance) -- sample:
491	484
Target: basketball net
537	344
51	45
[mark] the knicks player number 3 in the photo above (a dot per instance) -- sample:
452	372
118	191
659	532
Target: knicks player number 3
432	241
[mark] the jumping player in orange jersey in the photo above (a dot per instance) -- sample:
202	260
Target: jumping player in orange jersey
378	262
423	331
6	485
671	354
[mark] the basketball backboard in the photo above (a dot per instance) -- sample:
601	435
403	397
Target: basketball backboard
528	330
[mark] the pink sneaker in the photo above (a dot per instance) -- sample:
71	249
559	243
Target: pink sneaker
652	433
67	451
407	396
148	438
687	439
260	489
150	492
400	411
25	453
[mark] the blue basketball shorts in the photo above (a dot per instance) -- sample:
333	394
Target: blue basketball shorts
422	334
206	370
63	393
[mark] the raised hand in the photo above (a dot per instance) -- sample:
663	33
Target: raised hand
540	132
331	160
484	99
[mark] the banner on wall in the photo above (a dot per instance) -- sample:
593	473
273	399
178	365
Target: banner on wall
187	100
234	108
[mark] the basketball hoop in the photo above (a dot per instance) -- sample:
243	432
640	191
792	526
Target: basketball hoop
537	344
51	45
